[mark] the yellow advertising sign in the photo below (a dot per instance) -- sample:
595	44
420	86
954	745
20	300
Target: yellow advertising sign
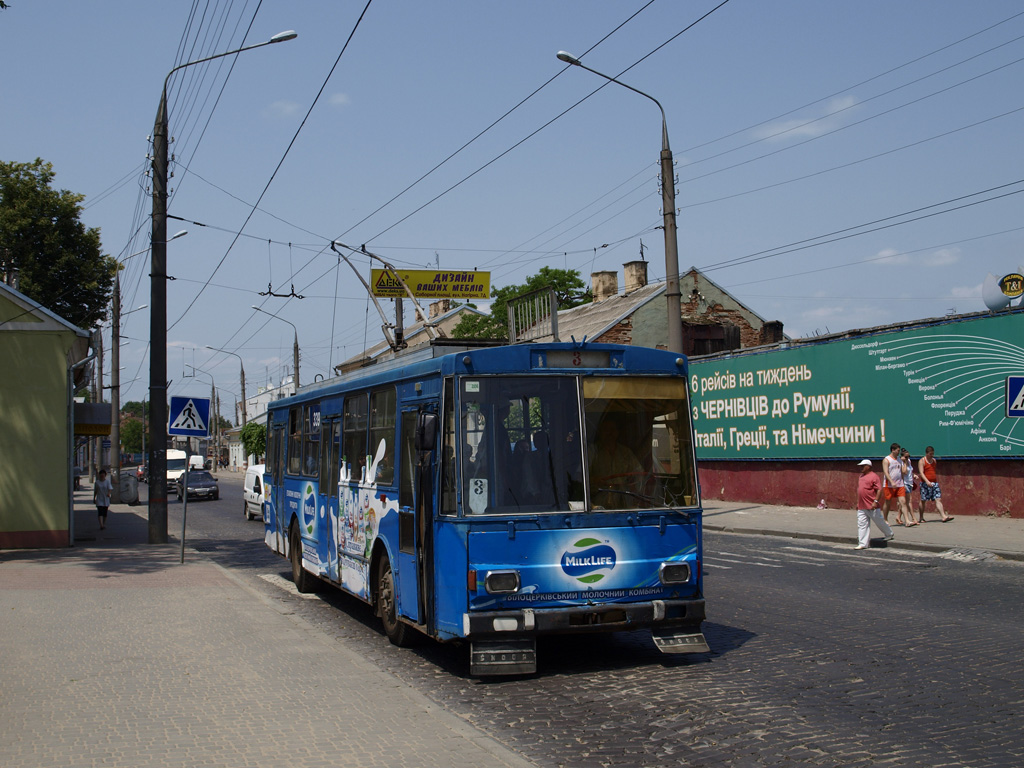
432	284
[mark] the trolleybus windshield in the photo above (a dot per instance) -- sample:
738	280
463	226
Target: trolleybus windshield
533	444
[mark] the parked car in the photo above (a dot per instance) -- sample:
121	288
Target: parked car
201	485
252	492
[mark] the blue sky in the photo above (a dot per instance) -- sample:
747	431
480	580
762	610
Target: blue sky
797	126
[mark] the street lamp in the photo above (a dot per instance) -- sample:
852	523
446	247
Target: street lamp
241	367
668	204
115	376
212	424
158	302
295	348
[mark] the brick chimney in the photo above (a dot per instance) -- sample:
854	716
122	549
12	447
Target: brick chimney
636	275
439	307
604	285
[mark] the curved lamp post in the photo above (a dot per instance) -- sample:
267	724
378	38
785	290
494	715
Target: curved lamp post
241	367
115	376
158	302
668	204
295	348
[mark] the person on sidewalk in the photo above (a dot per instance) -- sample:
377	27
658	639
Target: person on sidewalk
909	480
869	494
930	485
893	488
101	493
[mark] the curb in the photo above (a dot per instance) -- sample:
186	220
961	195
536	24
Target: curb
833	539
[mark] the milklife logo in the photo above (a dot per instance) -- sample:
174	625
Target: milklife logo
309	507
588	561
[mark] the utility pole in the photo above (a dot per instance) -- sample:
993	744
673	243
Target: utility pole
158	305
115	394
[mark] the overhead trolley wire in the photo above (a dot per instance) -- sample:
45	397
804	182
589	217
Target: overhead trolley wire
279	164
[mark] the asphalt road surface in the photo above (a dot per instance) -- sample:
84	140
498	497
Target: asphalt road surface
821	656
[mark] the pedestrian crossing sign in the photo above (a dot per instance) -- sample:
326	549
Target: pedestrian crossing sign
189	417
1014	397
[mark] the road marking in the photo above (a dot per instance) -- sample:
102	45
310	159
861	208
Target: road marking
743	554
745	562
287	586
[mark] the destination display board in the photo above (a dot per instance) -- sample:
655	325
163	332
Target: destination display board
431	284
944	385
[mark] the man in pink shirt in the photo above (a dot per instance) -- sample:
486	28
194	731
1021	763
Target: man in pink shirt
869	492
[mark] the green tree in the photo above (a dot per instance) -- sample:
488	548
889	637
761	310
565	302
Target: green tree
136	408
569	292
55	259
254	439
131	435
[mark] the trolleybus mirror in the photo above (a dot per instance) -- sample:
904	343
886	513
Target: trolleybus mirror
426	431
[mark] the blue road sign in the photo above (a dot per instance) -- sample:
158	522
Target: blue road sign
1015	397
189	417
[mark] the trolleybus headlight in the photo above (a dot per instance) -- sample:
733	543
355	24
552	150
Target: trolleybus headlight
674	573
501	582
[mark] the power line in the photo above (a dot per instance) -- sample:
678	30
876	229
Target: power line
279	164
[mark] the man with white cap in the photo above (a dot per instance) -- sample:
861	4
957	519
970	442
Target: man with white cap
869	493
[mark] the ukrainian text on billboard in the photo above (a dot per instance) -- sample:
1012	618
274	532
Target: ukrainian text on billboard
942	385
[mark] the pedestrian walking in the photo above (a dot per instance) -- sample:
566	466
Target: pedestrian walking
101	493
893	488
926	469
910	480
869	496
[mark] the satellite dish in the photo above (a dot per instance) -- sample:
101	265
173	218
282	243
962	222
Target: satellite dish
993	295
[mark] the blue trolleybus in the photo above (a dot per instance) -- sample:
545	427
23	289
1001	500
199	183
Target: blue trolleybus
491	495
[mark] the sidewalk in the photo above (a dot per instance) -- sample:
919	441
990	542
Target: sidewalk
114	654
1003	537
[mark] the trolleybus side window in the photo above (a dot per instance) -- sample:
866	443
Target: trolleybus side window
406	495
354	437
382	427
449	484
275	449
329	458
311	440
294	440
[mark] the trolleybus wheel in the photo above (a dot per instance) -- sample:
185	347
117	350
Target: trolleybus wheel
302	578
398	633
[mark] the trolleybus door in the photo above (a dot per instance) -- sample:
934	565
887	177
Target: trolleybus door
330	459
416	512
277	518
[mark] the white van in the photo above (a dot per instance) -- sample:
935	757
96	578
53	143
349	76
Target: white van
252	492
196	461
175	465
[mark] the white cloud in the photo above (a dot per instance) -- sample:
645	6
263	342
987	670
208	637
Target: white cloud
891	256
941	258
284	108
966	291
339	100
807	127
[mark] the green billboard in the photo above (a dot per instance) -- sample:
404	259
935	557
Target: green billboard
942	384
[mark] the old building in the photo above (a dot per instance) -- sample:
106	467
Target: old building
44	356
713	320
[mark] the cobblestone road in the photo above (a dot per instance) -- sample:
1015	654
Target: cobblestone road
821	656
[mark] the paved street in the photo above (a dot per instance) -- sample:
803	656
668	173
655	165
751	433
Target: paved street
821	656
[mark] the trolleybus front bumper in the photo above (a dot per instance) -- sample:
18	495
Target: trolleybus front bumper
504	642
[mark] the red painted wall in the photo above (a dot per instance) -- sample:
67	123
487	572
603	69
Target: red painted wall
970	487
